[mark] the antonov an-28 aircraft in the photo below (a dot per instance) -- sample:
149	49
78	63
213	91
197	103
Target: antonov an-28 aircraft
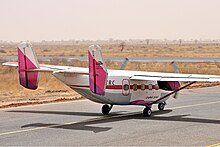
109	87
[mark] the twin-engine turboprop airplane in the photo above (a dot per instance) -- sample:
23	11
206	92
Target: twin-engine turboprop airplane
109	87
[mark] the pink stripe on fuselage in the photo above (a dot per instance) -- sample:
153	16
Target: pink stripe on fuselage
115	87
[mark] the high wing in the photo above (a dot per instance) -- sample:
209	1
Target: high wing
53	68
157	76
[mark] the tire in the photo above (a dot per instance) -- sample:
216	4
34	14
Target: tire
147	112
161	106
105	109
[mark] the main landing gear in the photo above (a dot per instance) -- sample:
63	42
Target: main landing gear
106	109
147	112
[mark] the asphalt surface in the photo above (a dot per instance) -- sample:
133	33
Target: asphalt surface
191	120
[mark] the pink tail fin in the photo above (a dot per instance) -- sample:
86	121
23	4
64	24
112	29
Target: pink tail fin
97	70
27	61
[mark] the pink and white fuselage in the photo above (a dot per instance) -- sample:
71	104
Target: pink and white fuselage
120	90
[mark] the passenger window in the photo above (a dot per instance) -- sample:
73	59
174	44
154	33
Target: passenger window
126	87
142	86
135	87
150	86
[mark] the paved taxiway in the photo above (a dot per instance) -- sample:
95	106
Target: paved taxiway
192	119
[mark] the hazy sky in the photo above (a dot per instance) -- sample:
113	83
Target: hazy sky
38	20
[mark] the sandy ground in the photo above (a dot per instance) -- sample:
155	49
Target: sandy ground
39	100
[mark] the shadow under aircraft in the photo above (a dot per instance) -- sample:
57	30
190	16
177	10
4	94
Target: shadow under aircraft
87	125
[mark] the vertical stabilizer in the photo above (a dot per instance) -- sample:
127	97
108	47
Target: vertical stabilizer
27	61
97	70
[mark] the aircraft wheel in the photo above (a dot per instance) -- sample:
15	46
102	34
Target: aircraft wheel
161	106
105	109
147	112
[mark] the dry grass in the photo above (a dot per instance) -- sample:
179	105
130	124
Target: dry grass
203	50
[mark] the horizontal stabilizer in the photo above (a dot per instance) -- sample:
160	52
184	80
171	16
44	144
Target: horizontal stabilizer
52	68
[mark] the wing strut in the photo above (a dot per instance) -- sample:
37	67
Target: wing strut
172	93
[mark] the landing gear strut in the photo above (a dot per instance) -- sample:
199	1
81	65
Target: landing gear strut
147	112
106	109
161	106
